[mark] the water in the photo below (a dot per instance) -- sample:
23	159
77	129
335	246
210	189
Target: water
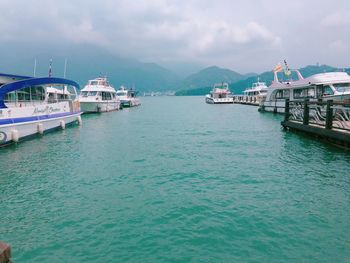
176	180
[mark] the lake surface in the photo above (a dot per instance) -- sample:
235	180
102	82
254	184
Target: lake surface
176	180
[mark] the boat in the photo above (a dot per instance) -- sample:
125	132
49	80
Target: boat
128	97
220	94
255	93
30	106
319	87
98	96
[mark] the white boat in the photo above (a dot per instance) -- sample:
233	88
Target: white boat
220	94
98	96
323	86
256	93
28	106
128	97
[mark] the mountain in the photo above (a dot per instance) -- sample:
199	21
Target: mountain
209	76
239	86
87	62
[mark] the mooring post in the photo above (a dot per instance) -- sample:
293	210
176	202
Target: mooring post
286	110
306	112
329	115
5	253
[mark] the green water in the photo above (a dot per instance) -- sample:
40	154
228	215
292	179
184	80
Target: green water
176	180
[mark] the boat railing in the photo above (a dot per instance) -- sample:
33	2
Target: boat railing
29	103
331	115
23	103
255	99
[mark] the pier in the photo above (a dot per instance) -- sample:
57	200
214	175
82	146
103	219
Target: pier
247	100
326	120
5	253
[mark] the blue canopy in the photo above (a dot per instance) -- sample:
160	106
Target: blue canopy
17	85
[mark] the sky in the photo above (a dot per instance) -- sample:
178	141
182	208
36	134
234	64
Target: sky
245	36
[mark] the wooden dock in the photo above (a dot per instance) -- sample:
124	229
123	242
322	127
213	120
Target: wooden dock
329	121
5	253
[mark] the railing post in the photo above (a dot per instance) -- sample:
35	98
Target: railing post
329	115
286	110
306	112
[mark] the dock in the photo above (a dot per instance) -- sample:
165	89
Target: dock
5	253
325	120
247	100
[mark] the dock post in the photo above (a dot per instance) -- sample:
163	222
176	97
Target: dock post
286	110
329	115
5	253
306	112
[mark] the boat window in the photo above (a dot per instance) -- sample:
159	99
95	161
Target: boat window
319	91
327	90
304	93
92	93
93	82
33	93
298	93
84	93
282	94
342	87
106	96
310	92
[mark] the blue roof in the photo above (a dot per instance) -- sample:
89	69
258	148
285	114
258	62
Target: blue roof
17	85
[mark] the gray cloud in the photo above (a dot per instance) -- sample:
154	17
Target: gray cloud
249	36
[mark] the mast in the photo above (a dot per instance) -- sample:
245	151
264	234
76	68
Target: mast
34	73
65	68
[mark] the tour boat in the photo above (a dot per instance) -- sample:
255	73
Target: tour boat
128	97
220	94
255	93
323	86
30	106
98	96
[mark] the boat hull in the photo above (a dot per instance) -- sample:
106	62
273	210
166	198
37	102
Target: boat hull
21	128
91	107
127	103
219	100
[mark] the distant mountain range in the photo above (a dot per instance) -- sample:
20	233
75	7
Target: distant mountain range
239	86
210	75
87	62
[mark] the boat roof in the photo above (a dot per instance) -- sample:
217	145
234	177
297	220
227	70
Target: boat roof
257	86
220	91
98	88
317	79
129	91
28	82
102	85
221	85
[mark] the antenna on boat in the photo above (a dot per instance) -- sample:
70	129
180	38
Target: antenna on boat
65	68
50	68
34	71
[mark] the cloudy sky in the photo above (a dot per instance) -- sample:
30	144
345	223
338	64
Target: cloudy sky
246	36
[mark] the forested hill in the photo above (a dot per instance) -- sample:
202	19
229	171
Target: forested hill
238	87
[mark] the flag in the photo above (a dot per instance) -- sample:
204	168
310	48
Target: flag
278	68
287	71
50	68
